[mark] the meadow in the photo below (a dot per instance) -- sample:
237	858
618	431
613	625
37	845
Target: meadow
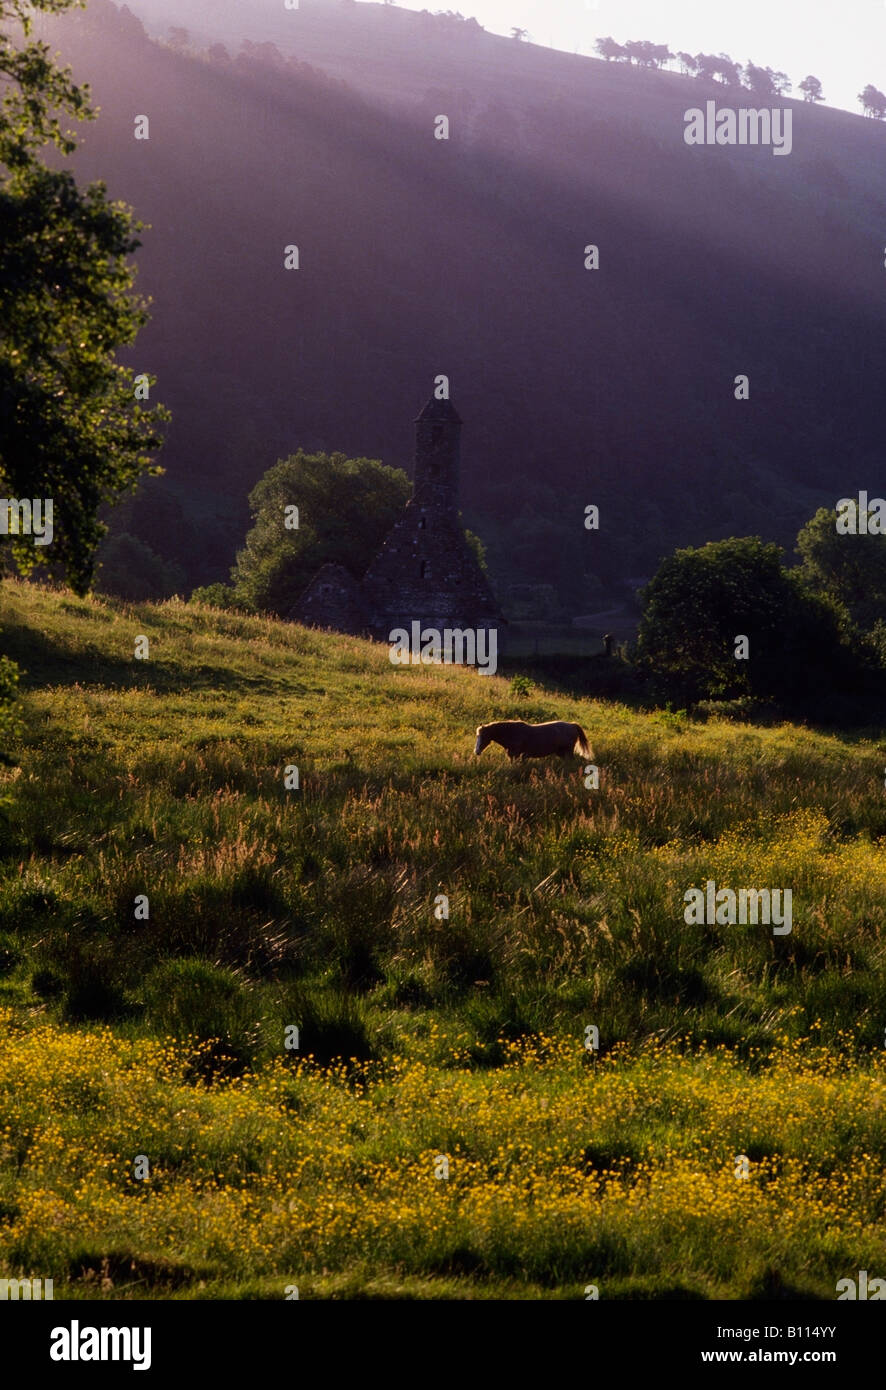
421	1037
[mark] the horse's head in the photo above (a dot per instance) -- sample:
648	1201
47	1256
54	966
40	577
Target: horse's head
482	737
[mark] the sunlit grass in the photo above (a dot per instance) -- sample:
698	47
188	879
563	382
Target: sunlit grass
267	908
561	1172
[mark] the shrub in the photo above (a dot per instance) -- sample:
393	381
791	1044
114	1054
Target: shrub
131	570
332	1026
9	720
193	998
218	596
702	600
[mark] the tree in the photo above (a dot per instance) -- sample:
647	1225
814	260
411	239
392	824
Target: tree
608	48
707	65
729	72
216	596
765	82
811	89
179	37
519	33
649	55
873	102
477	549
759	80
9	718
702	600
266	53
129	569
850	569
345	509
687	62
71	429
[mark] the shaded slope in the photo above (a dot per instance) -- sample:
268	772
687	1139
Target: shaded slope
419	257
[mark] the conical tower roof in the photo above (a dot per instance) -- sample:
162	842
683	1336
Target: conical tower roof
439	410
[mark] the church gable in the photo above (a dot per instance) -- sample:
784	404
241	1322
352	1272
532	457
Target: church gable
333	599
426	570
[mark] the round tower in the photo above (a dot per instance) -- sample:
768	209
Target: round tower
437	454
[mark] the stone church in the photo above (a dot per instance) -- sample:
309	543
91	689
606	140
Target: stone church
425	570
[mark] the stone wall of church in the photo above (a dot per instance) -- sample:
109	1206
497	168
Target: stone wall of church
333	599
426	571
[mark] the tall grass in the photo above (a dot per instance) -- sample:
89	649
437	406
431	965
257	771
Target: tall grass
164	779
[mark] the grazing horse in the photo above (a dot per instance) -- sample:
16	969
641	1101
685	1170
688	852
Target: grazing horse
521	740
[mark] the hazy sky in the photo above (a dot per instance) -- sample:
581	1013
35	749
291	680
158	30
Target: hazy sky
842	43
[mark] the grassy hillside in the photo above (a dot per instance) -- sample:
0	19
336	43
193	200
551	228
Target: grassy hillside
461	1038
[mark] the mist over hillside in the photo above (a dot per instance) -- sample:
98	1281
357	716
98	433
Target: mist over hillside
421	256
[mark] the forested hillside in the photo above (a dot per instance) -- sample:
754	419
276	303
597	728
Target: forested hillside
420	256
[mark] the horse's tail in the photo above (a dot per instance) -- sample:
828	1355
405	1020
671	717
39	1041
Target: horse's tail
582	747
